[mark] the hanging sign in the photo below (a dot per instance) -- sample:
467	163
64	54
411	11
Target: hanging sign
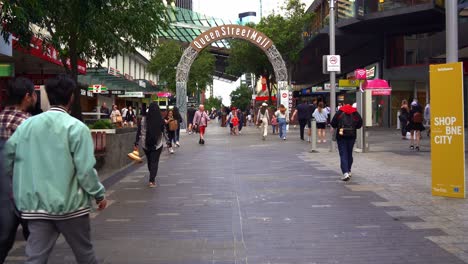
360	74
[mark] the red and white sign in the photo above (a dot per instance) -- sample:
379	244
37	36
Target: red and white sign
333	63
50	54
284	100
360	74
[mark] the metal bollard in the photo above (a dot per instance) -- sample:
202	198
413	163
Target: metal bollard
313	144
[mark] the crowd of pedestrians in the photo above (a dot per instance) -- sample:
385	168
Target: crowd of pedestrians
61	199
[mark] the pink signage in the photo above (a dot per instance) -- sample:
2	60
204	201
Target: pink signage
360	74
381	91
164	94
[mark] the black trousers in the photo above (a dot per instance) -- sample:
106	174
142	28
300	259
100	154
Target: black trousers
172	137
153	162
302	125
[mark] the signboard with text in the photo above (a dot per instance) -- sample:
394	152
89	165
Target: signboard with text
333	63
447	130
284	98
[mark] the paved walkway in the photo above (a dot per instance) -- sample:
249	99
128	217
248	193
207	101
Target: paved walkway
243	200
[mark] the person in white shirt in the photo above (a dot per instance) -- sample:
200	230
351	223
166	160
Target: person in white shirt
262	120
321	115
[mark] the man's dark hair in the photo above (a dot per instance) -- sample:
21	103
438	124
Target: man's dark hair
18	88
60	89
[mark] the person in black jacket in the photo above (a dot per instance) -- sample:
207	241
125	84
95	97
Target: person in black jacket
345	122
130	117
415	124
179	119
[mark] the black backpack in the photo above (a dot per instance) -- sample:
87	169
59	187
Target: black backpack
346	126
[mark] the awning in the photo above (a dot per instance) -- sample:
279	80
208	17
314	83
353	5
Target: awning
378	87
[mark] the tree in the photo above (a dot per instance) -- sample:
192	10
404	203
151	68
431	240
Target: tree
86	29
216	102
286	34
164	63
241	97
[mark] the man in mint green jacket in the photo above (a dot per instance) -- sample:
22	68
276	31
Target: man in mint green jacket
51	156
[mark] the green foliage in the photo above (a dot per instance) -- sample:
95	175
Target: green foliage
102	124
166	58
215	102
286	34
88	29
241	97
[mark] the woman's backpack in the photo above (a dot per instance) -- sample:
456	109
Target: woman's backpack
173	125
418	118
346	126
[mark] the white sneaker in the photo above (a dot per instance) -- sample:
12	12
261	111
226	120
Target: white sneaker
345	177
171	150
177	144
284	138
350	174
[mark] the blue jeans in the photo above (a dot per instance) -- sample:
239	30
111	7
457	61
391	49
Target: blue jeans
177	135
345	147
282	127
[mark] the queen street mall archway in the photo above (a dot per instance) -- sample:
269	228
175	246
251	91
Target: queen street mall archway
225	32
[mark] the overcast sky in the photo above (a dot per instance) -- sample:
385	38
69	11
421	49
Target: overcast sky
229	10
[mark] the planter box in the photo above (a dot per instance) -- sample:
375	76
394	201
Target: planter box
107	131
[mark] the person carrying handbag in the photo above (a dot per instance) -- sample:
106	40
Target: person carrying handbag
200	122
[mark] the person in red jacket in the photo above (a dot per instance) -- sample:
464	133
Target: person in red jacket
345	122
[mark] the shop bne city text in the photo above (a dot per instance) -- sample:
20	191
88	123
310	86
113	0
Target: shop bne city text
450	129
232	31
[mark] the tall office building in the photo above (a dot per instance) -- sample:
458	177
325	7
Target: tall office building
187	4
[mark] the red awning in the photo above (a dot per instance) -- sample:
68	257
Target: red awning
50	54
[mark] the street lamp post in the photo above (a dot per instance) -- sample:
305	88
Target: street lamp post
332	73
451	24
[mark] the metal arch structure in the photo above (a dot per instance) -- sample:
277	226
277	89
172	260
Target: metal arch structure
217	34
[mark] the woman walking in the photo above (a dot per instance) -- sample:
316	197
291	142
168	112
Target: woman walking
149	136
179	119
415	125
404	118
171	128
130	116
321	115
262	120
283	119
116	117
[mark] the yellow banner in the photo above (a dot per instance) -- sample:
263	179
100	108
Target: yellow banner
348	83
447	130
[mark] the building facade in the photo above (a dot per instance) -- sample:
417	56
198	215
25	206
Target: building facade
395	39
186	4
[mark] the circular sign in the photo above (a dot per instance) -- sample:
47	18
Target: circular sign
285	95
333	60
